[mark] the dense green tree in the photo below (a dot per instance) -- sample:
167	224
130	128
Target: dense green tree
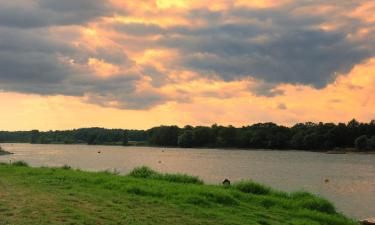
371	143
361	142
34	136
185	140
125	138
310	136
202	136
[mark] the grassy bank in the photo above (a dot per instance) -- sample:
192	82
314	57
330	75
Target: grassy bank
65	196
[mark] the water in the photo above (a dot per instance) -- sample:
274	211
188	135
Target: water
351	177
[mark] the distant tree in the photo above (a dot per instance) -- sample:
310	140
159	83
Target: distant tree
297	141
227	136
185	140
125	138
361	142
92	139
34	136
202	136
371	143
164	135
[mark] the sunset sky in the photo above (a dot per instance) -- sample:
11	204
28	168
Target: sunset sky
137	64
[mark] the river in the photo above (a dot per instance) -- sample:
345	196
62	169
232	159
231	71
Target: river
351	177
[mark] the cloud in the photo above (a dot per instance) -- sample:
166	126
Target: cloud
33	61
42	13
114	55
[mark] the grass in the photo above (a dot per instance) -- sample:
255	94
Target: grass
67	196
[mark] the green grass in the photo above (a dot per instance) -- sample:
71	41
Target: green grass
67	196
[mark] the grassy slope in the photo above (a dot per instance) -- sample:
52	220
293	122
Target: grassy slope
63	196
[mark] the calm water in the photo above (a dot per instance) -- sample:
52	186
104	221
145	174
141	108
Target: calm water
352	176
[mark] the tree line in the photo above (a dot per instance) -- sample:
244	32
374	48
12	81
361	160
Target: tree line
302	136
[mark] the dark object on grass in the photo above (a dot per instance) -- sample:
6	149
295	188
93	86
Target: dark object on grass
326	180
226	182
99	152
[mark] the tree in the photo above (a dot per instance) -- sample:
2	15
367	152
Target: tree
371	143
125	138
202	136
92	139
361	142
297	141
34	136
227	136
185	140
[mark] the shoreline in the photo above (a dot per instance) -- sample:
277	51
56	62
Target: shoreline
3	152
340	151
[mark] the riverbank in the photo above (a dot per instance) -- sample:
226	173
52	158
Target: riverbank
65	196
3	152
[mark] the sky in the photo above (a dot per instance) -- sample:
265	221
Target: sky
138	64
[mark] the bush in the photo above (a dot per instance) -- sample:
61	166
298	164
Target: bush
253	188
20	164
145	172
66	167
311	202
142	172
181	178
361	142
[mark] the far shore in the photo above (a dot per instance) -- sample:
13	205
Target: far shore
337	151
3	152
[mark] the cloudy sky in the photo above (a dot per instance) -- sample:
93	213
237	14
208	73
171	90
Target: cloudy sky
137	64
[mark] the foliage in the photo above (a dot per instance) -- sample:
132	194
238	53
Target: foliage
253	188
361	142
185	140
309	201
371	143
20	164
302	136
57	196
147	173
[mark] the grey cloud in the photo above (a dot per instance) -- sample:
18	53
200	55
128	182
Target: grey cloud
278	45
41	13
31	61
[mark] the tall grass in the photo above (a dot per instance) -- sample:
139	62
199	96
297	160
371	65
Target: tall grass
20	164
147	173
253	188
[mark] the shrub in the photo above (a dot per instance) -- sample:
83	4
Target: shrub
20	164
145	172
180	178
66	167
253	188
361	142
311	202
142	172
